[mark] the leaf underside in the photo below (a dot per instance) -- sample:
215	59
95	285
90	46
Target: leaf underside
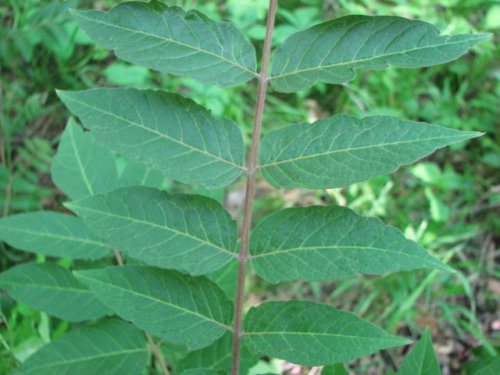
74	168
332	51
52	289
331	243
173	41
312	334
53	234
175	307
172	134
110	347
185	232
342	150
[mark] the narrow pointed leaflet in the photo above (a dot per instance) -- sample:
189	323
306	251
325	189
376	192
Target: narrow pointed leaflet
53	234
331	51
175	307
110	347
185	232
52	289
170	133
422	359
74	166
331	243
312	334
342	150
171	40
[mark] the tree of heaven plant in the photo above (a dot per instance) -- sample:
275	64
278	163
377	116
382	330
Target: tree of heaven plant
174	252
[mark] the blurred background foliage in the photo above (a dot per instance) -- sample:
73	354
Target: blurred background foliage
448	202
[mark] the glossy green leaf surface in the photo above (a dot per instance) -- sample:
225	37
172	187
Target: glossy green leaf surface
52	289
175	307
218	357
110	347
171	40
53	234
312	334
186	232
81	166
332	51
342	150
331	243
170	133
422	359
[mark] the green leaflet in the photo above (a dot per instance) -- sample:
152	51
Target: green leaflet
175	307
492	367
422	359
110	347
173	41
312	334
218	357
186	232
172	134
138	174
81	166
342	150
201	371
52	289
331	51
331	243
53	234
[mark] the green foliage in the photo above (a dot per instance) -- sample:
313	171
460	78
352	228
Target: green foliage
330	243
45	286
182	138
169	240
422	359
176	231
168	304
303	60
112	346
170	40
343	150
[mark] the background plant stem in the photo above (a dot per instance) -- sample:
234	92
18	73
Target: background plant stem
154	347
250	187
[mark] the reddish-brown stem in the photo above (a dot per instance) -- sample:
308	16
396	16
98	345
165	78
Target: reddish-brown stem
250	188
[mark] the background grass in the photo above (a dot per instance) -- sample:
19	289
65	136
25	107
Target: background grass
448	202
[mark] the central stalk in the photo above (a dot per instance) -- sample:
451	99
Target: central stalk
250	188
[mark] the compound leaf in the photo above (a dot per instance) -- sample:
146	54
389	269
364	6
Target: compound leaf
186	232
331	51
81	166
173	41
111	347
177	308
52	289
330	243
172	134
312	334
422	359
342	150
53	234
